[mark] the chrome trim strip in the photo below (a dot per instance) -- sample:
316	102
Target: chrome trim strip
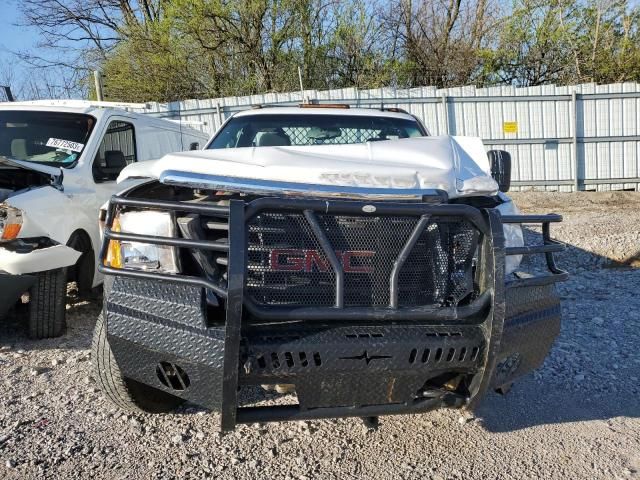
271	187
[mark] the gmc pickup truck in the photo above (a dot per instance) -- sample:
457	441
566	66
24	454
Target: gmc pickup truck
341	254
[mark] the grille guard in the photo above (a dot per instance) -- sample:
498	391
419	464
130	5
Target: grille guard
488	222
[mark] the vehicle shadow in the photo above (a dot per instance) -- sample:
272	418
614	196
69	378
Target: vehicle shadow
81	318
531	404
592	372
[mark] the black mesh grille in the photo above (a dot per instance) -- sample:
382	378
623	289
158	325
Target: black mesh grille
384	236
300	136
282	239
439	266
288	267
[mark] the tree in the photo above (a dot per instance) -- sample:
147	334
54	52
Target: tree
77	36
440	39
606	42
250	42
533	46
567	42
167	50
357	48
38	84
156	63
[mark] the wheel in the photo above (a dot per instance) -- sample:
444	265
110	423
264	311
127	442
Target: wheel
123	392
48	298
84	269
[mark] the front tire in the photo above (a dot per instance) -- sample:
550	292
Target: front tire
125	393
47	304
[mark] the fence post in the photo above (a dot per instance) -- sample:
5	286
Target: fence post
574	141
219	112
445	108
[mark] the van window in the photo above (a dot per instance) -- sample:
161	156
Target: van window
117	150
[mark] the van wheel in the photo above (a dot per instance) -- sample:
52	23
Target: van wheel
123	392
84	269
47	304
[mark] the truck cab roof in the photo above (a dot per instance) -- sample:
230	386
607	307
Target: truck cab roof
327	109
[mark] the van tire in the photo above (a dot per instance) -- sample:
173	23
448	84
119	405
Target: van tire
84	269
47	304
125	393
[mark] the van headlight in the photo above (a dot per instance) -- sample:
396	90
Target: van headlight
10	222
143	256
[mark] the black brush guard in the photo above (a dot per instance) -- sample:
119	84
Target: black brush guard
485	313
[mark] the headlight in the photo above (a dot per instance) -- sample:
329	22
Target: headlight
143	256
10	222
513	236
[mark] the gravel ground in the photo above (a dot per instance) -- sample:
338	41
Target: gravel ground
577	417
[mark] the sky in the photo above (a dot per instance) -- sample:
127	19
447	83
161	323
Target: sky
17	39
12	37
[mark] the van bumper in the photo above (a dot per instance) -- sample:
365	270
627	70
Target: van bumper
37	260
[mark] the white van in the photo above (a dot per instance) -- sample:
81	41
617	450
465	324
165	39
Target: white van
59	161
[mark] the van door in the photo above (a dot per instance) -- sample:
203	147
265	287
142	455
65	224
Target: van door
117	149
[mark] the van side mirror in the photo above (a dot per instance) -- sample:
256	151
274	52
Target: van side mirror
114	162
500	162
194	146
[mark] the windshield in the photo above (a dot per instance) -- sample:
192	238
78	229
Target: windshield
266	130
50	138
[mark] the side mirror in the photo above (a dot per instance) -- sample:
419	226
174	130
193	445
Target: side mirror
500	162
194	146
114	162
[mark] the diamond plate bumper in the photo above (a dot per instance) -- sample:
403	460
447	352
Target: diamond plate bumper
343	361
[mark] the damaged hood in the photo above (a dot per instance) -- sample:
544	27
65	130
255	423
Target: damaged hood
54	173
456	165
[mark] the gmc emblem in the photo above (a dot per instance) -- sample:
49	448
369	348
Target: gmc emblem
290	260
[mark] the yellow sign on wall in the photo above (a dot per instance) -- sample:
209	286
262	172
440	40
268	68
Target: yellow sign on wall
510	127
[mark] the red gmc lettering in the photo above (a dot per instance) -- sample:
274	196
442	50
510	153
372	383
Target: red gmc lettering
305	260
312	258
350	268
291	263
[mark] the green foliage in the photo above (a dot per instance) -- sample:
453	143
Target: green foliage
165	50
534	44
564	41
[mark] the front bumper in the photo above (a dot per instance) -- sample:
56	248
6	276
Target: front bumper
342	361
11	288
37	260
352	370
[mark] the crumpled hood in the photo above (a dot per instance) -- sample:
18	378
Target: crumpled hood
456	165
54	173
